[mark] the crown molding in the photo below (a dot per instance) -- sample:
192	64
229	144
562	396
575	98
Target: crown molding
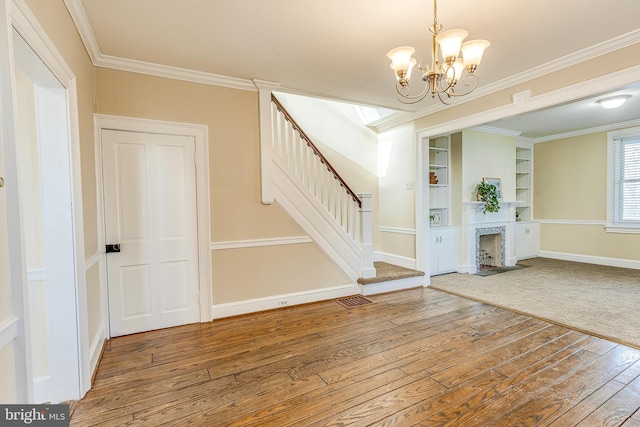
586	54
107	61
532	103
604	128
79	17
135	66
497	131
86	34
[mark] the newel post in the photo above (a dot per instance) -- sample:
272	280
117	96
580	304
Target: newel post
366	236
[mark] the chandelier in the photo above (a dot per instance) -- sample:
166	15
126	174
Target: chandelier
450	59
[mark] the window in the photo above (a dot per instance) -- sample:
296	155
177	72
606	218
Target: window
623	199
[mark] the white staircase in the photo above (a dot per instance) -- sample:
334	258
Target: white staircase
310	190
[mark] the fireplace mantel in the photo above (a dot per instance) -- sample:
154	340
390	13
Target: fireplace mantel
473	218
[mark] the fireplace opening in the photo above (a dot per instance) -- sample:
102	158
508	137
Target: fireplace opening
490	248
490	251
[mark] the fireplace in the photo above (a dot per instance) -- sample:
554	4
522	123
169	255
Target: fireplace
487	239
490	247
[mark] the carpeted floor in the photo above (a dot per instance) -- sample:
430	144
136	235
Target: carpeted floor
602	301
386	271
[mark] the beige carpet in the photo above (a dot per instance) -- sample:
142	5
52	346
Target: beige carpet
386	272
602	301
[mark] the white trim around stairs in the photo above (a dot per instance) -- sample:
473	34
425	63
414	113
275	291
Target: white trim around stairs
254	243
283	300
399	260
590	259
391	286
316	222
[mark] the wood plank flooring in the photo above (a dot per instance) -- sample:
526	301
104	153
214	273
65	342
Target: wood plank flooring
418	357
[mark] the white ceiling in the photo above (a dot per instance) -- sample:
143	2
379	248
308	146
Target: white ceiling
337	48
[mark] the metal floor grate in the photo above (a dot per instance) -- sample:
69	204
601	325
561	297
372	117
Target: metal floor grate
354	301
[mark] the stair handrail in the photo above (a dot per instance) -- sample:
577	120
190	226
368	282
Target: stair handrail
316	152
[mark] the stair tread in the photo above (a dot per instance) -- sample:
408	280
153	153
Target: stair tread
386	272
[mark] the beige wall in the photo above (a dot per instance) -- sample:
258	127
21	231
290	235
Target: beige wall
570	178
456	178
487	155
234	167
243	274
570	185
397	157
7	375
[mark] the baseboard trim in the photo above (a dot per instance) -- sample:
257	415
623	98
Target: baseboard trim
402	261
589	259
392	285
95	350
283	300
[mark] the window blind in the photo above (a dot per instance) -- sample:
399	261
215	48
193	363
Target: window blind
627	180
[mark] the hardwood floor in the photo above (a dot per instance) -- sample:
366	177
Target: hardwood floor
417	357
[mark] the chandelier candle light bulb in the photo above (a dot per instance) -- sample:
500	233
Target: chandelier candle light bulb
450	42
450	59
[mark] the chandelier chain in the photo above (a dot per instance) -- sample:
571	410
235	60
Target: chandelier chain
435	13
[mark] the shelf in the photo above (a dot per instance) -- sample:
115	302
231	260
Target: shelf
438	149
432	166
524	181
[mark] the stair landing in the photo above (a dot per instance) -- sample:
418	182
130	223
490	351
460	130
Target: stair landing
390	278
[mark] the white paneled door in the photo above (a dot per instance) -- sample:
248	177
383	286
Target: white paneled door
150	230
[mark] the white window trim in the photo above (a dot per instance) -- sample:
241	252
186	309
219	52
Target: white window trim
612	226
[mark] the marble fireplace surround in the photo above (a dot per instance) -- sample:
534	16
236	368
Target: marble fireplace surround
475	223
491	231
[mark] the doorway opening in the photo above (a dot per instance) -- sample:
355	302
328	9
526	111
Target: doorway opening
51	223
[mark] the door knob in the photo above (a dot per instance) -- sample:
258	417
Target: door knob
112	248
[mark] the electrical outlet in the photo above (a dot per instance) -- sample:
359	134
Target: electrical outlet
283	302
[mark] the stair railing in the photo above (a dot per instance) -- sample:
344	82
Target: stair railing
296	150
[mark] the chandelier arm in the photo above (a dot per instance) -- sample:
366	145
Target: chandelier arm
448	100
404	94
472	86
444	84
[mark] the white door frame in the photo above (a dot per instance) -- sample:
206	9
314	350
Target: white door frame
200	135
67	311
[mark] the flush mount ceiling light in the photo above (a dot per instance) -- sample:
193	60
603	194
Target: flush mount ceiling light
613	101
450	59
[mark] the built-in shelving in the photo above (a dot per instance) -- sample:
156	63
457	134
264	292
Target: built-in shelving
524	182
527	231
439	181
